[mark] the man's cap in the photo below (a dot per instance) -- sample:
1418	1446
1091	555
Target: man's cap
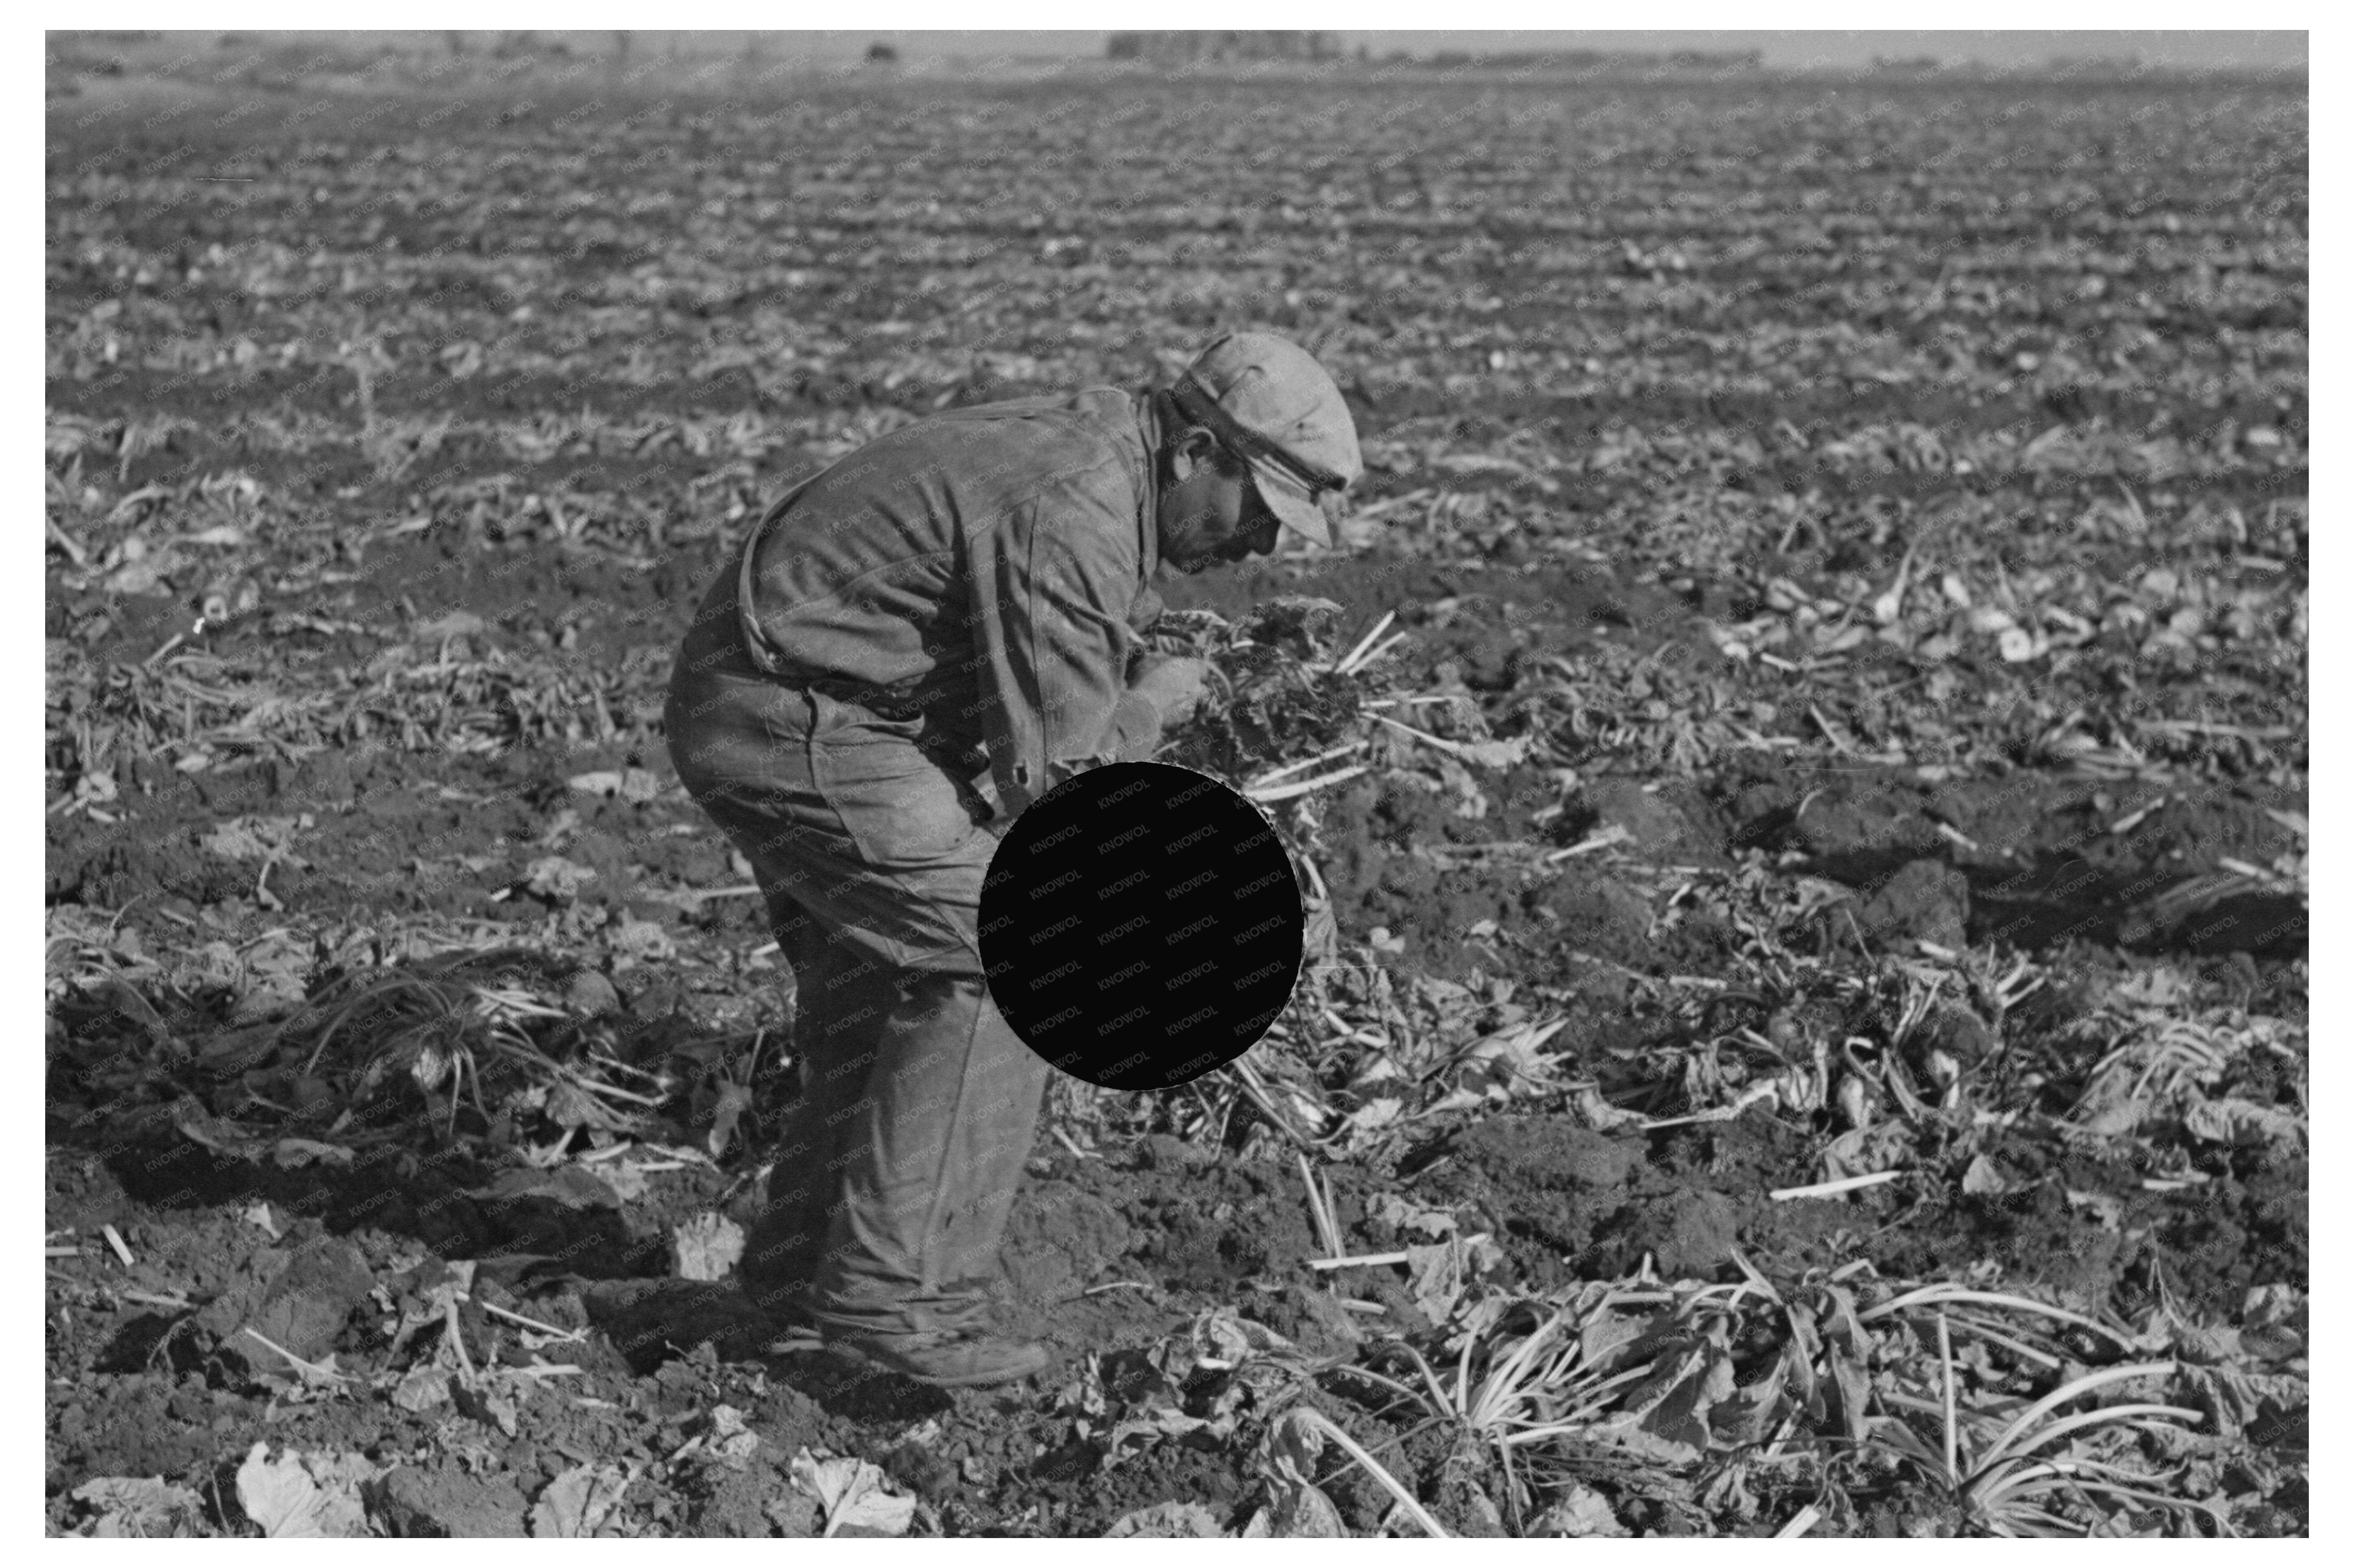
1268	402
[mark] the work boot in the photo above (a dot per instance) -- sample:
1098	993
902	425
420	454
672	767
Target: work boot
947	1358
780	1258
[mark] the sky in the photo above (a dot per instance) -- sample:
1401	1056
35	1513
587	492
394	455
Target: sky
1839	46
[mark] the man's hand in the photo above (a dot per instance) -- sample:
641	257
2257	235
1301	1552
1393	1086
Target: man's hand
1173	686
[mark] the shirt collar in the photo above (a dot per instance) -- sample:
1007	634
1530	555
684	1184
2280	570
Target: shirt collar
1147	427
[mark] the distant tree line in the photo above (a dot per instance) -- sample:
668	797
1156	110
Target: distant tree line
1590	59
1189	47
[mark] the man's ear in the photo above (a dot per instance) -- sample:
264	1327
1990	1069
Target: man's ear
1193	449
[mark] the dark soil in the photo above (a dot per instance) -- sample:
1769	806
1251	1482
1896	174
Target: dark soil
1103	1253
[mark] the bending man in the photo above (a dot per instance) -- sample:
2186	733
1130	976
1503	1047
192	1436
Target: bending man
912	646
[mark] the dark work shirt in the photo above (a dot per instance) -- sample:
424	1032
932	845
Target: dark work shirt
986	569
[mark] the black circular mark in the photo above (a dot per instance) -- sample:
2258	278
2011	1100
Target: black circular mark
1140	926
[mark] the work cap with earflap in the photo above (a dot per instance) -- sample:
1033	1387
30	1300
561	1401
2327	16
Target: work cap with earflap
1268	402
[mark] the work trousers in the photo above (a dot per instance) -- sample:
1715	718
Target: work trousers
897	1167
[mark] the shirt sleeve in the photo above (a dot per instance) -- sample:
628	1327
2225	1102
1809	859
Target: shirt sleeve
1052	624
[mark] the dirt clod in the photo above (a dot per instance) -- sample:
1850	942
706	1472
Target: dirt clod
1548	1153
1700	1235
1655	823
1926	899
300	1308
440	1502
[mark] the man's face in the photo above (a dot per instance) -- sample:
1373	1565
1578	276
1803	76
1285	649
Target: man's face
1212	513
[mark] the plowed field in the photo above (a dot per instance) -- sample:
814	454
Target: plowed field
1810	973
